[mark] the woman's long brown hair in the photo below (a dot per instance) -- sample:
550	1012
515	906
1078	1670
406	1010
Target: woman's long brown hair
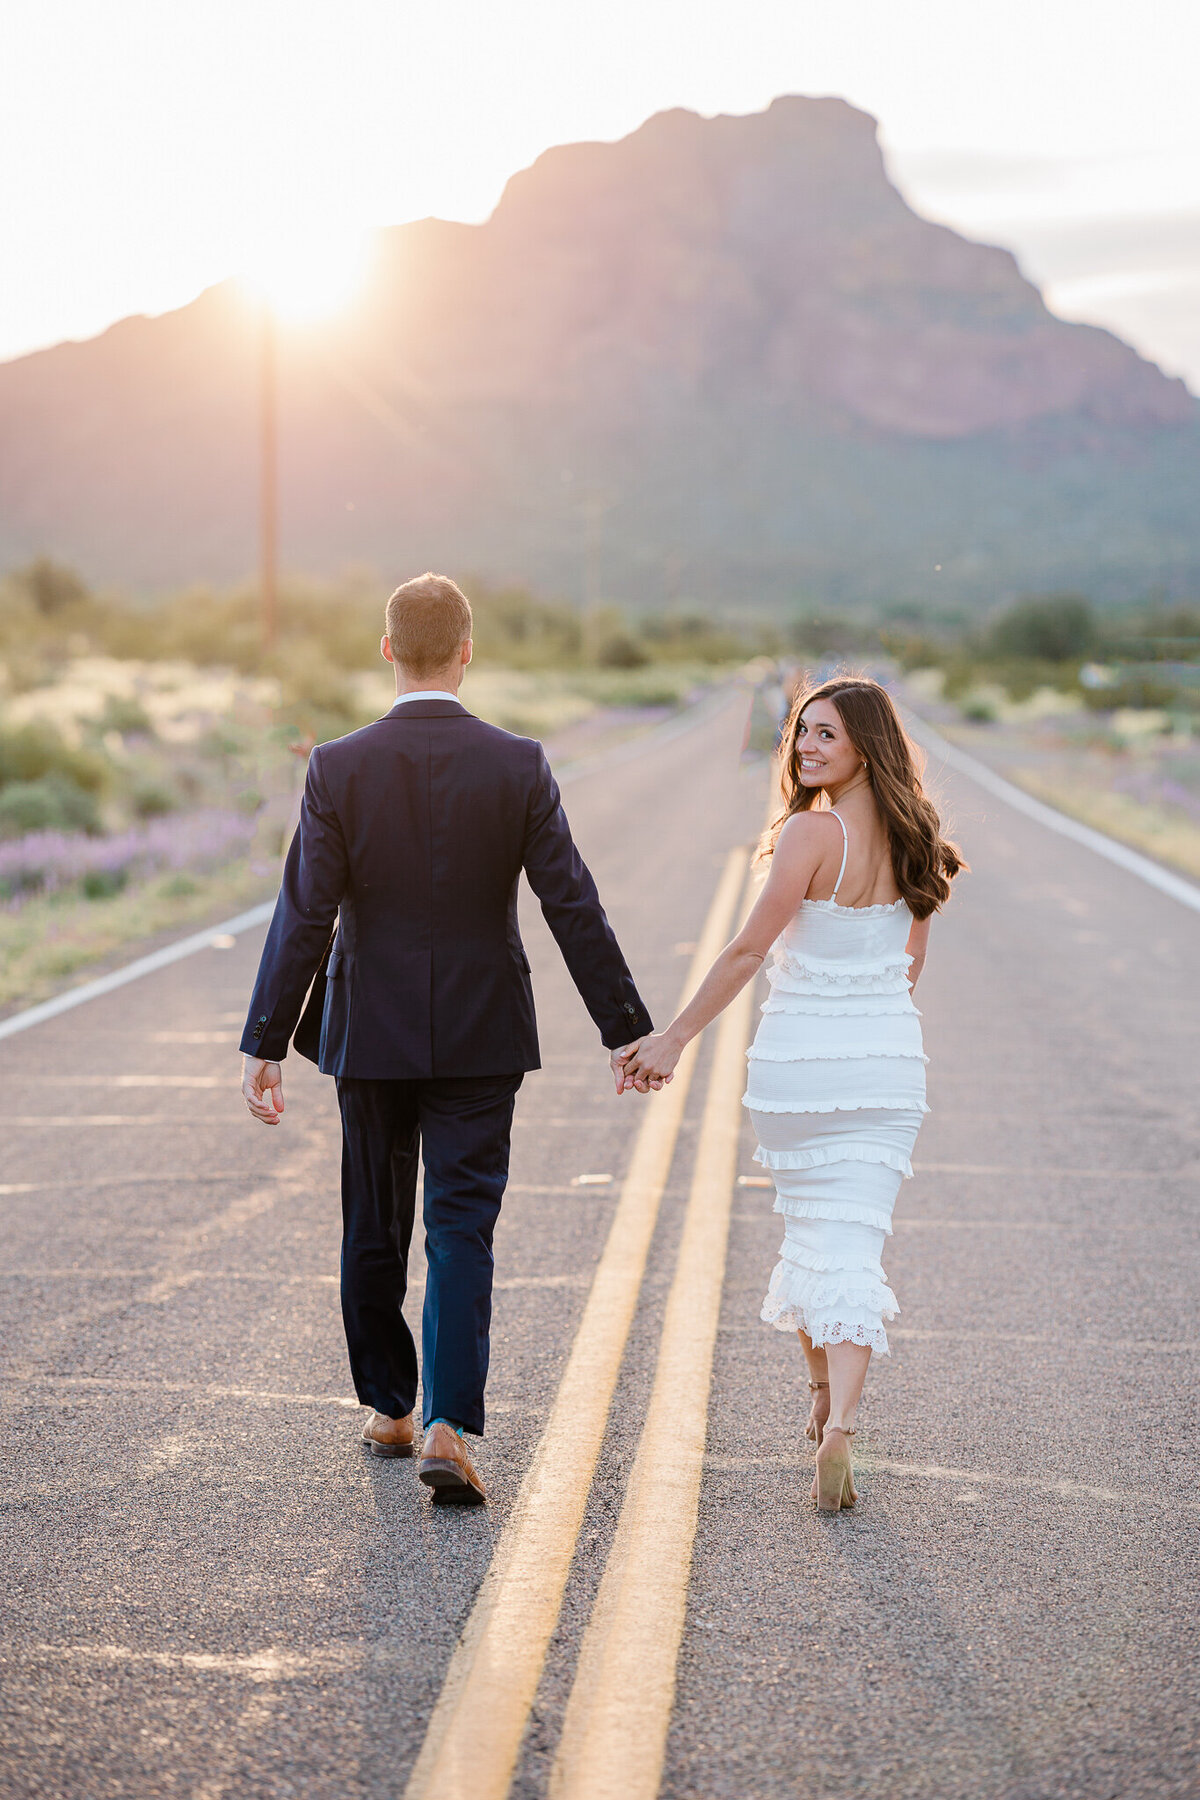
923	862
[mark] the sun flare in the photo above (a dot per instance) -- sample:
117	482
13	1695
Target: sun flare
308	278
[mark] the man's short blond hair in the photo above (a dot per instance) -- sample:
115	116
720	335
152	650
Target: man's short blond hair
428	621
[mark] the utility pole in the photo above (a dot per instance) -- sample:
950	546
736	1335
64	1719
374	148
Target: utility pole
268	494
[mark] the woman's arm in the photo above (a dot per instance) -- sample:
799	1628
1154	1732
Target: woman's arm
917	947
804	840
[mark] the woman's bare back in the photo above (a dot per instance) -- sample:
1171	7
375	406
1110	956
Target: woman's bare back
866	878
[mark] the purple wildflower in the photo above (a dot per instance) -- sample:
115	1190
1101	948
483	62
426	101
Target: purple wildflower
47	861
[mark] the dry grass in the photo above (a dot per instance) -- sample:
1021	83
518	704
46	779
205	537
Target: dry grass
48	943
544	702
51	940
1161	834
179	699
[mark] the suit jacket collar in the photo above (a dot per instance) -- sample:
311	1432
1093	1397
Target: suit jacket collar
429	709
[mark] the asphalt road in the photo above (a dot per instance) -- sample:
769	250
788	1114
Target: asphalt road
212	1591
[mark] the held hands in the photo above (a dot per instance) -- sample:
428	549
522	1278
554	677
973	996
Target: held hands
262	1088
650	1063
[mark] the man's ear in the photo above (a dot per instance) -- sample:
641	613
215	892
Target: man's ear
385	648
468	650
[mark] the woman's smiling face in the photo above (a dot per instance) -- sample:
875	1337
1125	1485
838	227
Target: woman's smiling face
825	757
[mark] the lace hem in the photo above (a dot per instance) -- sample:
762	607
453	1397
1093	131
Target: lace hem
837	1331
906	1103
825	1154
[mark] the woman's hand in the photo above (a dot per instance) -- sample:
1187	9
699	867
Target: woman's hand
650	1063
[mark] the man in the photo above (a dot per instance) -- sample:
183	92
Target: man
412	837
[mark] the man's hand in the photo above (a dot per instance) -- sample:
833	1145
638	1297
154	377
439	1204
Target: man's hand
262	1088
650	1063
622	1076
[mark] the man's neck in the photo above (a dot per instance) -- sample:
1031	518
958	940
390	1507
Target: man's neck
446	680
432	689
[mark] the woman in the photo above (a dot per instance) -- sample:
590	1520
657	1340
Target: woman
857	866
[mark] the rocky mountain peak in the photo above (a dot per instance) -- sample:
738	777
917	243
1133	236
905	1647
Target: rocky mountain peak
730	337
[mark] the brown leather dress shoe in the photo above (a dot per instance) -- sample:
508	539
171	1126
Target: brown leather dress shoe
388	1437
447	1469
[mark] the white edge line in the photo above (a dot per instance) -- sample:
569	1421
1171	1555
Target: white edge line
145	965
258	915
1186	892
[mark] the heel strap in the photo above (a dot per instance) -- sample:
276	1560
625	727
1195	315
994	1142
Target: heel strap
852	1432
814	1385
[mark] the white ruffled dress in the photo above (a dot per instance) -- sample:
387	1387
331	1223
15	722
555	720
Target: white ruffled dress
836	1092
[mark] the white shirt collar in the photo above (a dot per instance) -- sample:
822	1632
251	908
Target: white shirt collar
425	694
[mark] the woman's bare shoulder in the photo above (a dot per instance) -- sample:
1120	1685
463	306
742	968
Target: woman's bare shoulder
809	831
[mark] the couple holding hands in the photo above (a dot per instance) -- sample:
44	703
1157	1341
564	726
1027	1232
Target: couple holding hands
394	961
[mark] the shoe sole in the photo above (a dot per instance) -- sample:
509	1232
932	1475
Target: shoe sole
833	1494
378	1449
450	1486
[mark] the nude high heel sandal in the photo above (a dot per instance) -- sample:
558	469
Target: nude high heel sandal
834	1486
815	1428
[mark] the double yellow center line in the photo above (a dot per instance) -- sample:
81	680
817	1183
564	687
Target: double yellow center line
625	1682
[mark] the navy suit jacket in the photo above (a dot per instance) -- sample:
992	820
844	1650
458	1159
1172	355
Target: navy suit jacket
412	837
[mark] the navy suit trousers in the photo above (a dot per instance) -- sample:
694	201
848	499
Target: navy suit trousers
460	1127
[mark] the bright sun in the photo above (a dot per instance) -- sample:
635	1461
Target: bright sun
308	278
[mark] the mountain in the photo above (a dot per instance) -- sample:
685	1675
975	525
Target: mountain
721	360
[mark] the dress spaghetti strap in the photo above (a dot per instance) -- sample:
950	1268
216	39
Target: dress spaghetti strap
845	851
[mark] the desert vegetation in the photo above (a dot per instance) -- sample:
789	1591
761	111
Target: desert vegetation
151	754
1097	712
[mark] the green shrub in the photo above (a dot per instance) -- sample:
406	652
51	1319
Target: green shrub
1021	676
517	630
657	684
102	884
51	803
53	588
32	751
1054	628
315	698
179	887
621	651
962	672
125	714
1142	692
692	637
152	800
912	650
830	634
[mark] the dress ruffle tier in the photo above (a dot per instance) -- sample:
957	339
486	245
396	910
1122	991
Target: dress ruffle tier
836	1090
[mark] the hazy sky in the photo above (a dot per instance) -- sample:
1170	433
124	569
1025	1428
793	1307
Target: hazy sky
148	149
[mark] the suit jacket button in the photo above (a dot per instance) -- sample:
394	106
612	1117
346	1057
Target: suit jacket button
258	1029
